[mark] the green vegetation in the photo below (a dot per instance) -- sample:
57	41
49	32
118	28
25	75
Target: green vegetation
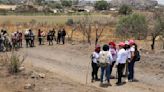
133	25
101	5
125	10
66	3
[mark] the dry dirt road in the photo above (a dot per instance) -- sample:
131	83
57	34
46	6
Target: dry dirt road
72	63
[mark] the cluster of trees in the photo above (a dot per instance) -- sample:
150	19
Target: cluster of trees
132	25
99	5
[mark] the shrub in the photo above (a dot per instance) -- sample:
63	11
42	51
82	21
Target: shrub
134	25
101	5
125	10
70	22
15	63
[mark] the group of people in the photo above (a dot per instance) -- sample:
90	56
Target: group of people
123	56
15	41
7	43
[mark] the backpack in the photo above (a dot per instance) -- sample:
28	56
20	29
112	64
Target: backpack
137	56
103	60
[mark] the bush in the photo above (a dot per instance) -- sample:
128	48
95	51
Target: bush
101	5
125	10
70	22
15	63
134	25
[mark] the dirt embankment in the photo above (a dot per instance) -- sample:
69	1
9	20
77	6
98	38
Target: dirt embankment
68	66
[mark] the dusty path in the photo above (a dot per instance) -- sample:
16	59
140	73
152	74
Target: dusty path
73	64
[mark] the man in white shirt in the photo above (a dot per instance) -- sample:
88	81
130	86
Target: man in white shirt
120	62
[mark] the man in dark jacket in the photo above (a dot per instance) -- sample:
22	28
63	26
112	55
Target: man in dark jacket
63	34
59	37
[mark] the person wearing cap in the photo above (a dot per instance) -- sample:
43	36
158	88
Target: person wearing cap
132	61
127	49
105	60
113	51
95	56
120	62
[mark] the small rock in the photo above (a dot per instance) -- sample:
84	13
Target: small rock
41	75
28	86
34	75
21	68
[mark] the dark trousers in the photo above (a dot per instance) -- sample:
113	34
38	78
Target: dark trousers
111	68
50	42
120	68
40	41
94	71
58	40
27	42
131	70
63	39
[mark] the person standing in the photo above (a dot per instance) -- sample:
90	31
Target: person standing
133	49
54	34
95	56
120	62
32	37
105	63
63	34
1	43
59	36
39	37
20	39
113	51
127	49
50	37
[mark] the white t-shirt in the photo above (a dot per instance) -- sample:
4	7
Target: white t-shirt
128	53
121	56
113	53
132	49
95	56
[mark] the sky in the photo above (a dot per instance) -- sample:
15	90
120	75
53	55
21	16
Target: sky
161	1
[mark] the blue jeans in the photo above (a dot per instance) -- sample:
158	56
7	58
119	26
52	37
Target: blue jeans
131	70
105	70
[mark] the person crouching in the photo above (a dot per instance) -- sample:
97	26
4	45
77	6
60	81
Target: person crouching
105	63
120	62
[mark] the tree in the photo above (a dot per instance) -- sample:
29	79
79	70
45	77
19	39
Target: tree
158	28
101	5
134	25
85	26
125	10
55	5
66	3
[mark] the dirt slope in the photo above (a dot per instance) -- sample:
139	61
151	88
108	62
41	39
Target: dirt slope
71	61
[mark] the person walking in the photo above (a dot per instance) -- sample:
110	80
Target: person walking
105	63
120	62
95	56
113	51
59	36
63	34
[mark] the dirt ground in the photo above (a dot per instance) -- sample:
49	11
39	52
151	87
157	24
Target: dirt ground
67	68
